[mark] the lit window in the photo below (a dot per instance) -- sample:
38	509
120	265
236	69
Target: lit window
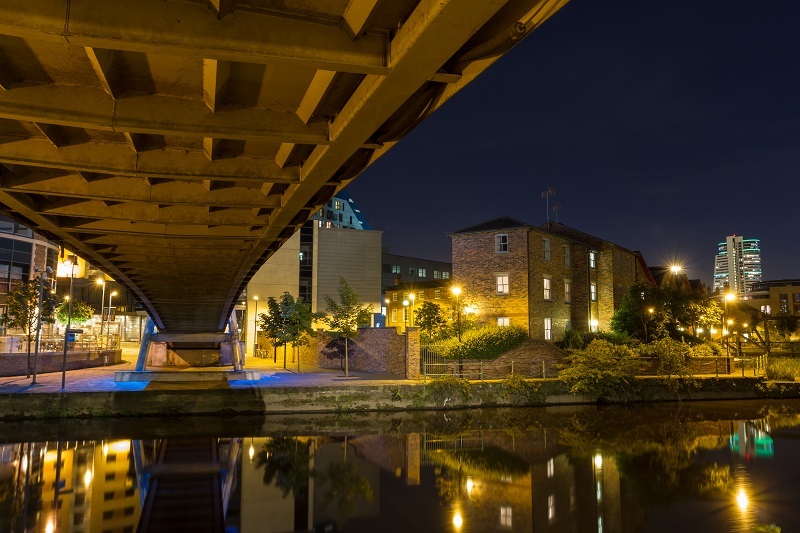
445	275
594	292
505	516
503	321
567	291
328	225
502	283
437	274
551	468
566	255
394	296
500	243
548	329
546	249
548	292
405	296
592	260
421	295
337	205
421	272
395	269
394	315
437	294
551	507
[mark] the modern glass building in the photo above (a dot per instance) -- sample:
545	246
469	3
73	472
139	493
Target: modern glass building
737	266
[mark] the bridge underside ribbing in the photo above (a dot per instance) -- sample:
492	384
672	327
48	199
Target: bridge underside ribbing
176	144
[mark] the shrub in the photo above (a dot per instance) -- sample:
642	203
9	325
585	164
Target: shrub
573	340
522	392
598	373
484	343
607	348
706	349
782	368
673	356
448	390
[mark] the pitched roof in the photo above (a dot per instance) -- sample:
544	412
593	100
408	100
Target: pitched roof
492	225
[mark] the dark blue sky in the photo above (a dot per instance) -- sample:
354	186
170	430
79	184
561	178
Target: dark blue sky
663	126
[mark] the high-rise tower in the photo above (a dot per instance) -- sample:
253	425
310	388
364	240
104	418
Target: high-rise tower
738	264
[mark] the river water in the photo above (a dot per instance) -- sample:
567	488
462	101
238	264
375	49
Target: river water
710	467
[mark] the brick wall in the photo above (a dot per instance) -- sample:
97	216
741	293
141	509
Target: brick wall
375	350
553	269
475	265
15	364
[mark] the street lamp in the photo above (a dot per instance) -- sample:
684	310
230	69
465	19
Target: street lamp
71	259
457	292
100	281
650	312
255	329
108	328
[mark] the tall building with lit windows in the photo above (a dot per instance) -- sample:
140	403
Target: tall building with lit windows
737	265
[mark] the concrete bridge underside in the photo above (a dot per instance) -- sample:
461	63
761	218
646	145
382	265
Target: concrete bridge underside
176	144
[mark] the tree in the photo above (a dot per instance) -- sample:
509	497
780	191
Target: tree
272	325
81	312
22	305
786	324
297	320
430	319
346	315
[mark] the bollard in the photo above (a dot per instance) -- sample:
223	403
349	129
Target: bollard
544	374
512	366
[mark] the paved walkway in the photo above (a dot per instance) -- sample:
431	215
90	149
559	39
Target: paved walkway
101	379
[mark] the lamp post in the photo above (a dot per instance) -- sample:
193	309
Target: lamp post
413	298
457	292
255	329
405	316
650	312
71	259
100	281
42	279
108	327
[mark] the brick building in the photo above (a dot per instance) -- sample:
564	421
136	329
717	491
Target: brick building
548	279
416	293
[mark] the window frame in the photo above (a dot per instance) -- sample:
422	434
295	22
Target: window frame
501	243
498	285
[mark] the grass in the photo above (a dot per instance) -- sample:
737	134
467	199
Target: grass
783	368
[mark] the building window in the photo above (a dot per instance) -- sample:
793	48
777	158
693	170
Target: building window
395	269
548	290
503	321
405	296
785	309
784	298
566	255
501	282
445	275
505	516
405	315
421	272
337	205
394	296
421	296
394	315
567	291
548	329
594	291
411	271
437	294
500	243
546	249
592	259
551	508
437	274
551	468
796	297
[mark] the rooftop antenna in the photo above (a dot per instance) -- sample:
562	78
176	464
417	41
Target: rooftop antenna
556	207
551	191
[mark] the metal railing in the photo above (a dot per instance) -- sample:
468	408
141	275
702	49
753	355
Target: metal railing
12	344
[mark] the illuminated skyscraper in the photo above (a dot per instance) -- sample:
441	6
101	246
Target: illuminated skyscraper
738	264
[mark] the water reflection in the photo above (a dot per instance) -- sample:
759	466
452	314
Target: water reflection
613	470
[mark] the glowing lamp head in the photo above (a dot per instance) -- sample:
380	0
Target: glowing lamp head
456	290
676	269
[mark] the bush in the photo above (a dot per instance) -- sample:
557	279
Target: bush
598	373
484	343
522	392
673	356
448	390
782	368
706	349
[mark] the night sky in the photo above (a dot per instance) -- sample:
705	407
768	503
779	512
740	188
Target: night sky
663	126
